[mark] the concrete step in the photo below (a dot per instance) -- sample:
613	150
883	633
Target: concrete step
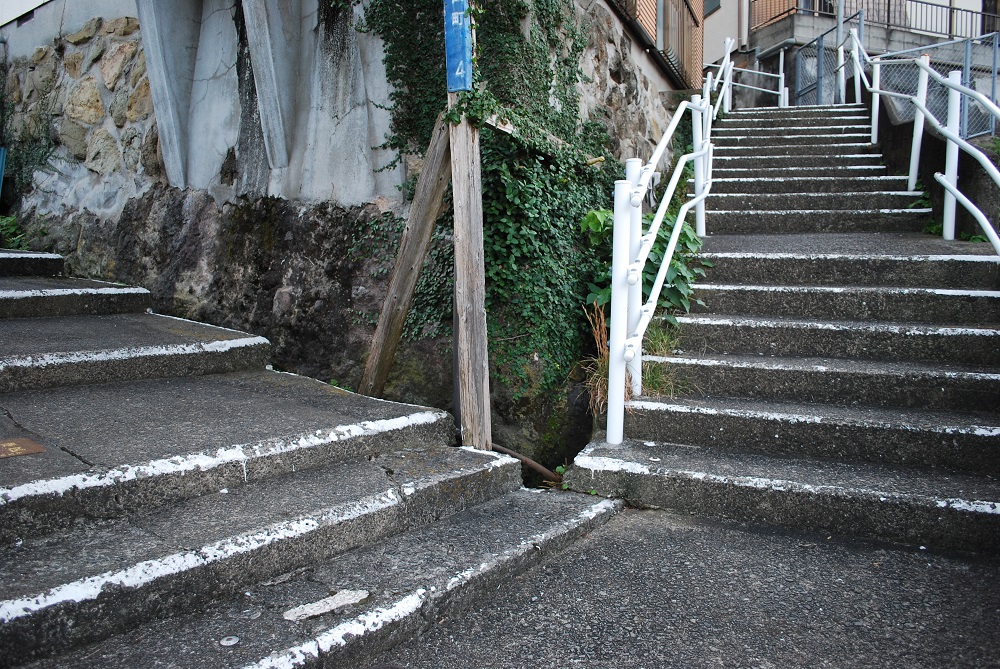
905	385
863	259
751	163
756	172
789	122
866	200
740	221
766	128
114	449
773	150
727	140
956	441
96	349
111	576
786	337
857	303
927	508
29	263
816	111
665	589
814	184
32	297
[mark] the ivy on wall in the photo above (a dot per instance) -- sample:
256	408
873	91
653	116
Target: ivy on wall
538	182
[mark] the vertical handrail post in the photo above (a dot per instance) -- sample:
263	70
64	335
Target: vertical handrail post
966	81
698	139
782	97
820	69
619	313
876	97
841	97
856	59
993	87
951	154
918	125
633	169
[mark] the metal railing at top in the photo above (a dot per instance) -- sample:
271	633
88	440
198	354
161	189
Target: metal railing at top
630	316
920	16
780	91
950	130
820	73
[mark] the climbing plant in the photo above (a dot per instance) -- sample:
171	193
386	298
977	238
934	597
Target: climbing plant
27	136
538	181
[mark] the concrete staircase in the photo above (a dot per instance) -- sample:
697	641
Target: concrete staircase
844	373
166	500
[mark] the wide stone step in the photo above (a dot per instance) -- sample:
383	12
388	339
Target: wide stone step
183	557
778	132
751	163
724	172
800	220
816	111
864	200
753	122
29	263
928	508
31	297
814	184
96	349
727	140
110	450
959	441
861	259
833	381
781	149
910	305
788	337
339	612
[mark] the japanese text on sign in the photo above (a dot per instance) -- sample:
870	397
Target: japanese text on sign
458	45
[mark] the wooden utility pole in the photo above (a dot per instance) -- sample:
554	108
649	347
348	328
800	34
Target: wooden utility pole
460	143
470	287
428	201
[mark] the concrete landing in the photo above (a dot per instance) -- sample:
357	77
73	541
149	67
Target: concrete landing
655	590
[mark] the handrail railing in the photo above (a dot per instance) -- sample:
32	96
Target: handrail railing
919	16
951	131
630	316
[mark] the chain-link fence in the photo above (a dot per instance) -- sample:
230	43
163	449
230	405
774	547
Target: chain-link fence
976	59
816	66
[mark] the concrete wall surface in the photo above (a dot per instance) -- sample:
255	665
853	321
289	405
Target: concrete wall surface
57	18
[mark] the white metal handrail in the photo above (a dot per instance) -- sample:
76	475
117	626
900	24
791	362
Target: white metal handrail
950	131
630	316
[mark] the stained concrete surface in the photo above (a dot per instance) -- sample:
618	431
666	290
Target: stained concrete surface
652	589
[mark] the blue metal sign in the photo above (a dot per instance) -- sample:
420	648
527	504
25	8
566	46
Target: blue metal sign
458	45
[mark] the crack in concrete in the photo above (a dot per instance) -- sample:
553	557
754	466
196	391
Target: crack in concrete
39	438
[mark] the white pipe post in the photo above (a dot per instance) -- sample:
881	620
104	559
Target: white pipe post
633	169
918	125
856	58
951	154
782	98
619	313
876	98
841	77
698	139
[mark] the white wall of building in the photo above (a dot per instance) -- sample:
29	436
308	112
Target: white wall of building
51	20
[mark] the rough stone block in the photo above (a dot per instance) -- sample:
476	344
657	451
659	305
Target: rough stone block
131	148
87	32
119	107
84	102
72	64
41	55
149	154
114	64
73	136
103	155
138	70
123	26
93	54
140	103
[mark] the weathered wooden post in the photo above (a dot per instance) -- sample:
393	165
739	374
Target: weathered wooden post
472	356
